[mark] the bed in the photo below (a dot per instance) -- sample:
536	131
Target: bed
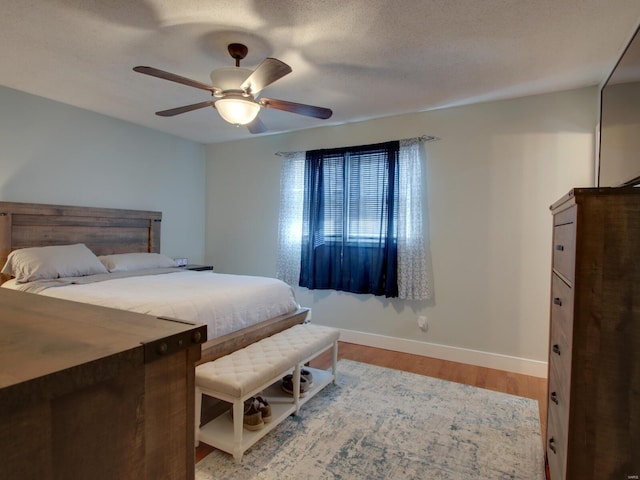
108	232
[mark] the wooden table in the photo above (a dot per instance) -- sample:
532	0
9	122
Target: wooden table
93	392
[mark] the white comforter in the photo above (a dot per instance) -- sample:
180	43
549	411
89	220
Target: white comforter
225	303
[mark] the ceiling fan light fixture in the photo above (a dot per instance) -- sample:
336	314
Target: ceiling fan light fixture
237	110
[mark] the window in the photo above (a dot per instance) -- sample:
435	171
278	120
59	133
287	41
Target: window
351	220
348	228
355	189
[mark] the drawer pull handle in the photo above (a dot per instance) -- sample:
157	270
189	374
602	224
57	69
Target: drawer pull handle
560	248
556	349
552	445
554	397
557	301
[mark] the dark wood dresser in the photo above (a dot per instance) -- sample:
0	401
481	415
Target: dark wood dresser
88	392
593	422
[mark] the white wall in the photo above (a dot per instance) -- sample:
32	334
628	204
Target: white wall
490	178
58	154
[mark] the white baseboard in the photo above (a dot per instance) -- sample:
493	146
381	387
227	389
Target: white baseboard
496	361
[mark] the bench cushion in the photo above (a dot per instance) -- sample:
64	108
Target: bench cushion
247	369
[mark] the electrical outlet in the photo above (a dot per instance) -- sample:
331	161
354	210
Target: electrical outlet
423	323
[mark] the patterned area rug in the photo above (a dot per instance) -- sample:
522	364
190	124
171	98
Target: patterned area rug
379	423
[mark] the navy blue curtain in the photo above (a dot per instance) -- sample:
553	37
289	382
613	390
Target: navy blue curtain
349	221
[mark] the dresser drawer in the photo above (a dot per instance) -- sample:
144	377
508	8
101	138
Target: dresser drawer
561	337
556	446
563	217
564	248
559	402
559	388
561	303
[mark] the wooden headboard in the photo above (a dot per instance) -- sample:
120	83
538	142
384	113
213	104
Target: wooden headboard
104	230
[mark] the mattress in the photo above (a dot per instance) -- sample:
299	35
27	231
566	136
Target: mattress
225	303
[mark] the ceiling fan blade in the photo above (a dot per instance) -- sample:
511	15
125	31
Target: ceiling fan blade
154	72
187	108
299	108
256	126
270	70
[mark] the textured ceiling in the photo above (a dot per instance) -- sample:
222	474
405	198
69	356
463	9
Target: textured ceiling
361	58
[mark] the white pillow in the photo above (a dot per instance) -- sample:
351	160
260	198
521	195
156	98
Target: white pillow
29	264
124	262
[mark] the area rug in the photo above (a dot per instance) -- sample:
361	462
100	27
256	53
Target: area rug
380	423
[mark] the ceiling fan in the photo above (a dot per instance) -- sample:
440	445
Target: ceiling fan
236	89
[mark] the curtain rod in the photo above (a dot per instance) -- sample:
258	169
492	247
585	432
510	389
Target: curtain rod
427	138
421	138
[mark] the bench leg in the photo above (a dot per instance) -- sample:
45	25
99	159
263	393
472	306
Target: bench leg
198	415
334	361
238	420
296	388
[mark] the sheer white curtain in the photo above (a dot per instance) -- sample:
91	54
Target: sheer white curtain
413	283
290	220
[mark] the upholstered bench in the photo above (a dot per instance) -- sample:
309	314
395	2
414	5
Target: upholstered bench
257	368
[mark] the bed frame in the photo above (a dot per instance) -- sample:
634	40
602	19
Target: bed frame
108	231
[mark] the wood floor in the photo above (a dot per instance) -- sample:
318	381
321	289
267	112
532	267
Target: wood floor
497	380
